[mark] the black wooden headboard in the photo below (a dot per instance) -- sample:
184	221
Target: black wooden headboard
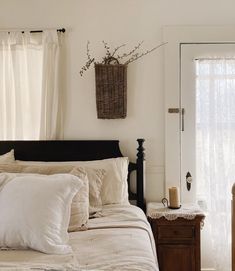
79	150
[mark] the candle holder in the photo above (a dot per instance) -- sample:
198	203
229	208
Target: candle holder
174	207
165	204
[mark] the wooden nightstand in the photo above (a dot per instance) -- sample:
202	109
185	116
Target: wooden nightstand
177	236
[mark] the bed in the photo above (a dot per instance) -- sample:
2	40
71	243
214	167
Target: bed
118	236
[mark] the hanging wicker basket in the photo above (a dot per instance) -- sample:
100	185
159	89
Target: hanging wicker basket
111	90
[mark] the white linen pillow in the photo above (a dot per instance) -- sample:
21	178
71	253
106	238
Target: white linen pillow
7	157
80	205
35	211
114	187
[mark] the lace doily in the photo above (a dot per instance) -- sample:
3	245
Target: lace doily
187	211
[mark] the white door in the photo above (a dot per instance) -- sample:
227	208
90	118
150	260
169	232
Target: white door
208	139
180	146
195	59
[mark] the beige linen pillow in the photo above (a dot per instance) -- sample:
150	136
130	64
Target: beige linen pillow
95	186
7	157
95	176
80	205
114	185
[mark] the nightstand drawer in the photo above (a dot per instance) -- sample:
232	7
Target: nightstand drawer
176	232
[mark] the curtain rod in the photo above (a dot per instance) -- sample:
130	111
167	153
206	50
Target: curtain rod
215	58
40	31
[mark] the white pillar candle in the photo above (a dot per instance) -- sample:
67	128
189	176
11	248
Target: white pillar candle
174	197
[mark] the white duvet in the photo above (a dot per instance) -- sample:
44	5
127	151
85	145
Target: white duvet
119	238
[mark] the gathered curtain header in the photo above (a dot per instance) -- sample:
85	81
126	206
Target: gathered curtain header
30	38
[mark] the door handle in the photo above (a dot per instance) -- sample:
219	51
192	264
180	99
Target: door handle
176	111
182	119
189	180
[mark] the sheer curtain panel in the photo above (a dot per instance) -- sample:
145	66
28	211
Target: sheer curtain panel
30	95
215	148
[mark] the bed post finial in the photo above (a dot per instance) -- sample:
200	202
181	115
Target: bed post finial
140	148
140	174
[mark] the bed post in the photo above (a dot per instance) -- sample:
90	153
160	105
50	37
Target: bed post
140	178
233	228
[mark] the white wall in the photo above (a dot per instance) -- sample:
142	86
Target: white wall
117	22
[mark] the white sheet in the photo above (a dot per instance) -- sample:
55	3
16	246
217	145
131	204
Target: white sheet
120	238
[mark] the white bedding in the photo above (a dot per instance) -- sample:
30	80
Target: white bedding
119	238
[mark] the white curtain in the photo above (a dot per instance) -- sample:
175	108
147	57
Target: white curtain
215	148
30	94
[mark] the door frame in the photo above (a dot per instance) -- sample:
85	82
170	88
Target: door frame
175	36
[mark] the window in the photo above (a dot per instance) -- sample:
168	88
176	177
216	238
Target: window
29	87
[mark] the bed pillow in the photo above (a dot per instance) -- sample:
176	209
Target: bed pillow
114	187
35	211
80	204
7	157
79	215
95	176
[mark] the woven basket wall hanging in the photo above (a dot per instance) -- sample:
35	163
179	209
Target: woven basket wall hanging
111	78
111	90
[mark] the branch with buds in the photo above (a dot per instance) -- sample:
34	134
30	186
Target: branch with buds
127	58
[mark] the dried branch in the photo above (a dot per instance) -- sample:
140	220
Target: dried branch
107	48
89	61
137	56
86	66
117	48
131	52
88	50
110	56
